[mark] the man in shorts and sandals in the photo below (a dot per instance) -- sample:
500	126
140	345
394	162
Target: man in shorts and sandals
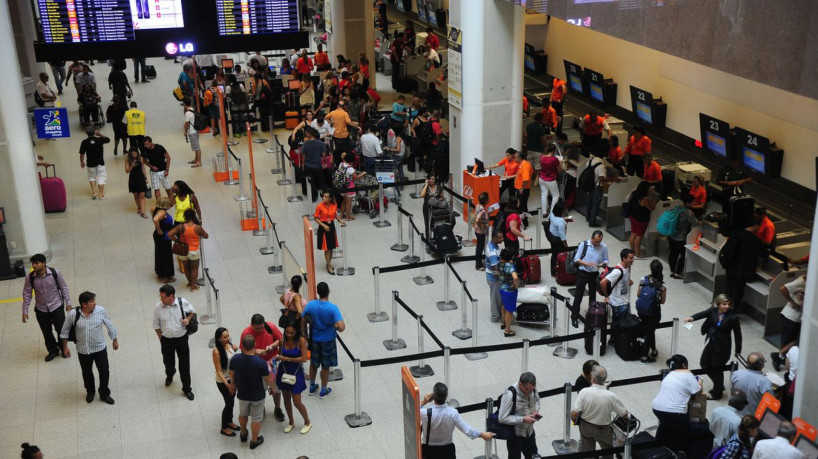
250	372
158	161
325	323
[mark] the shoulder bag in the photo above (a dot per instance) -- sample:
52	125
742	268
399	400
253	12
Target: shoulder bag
180	247
193	325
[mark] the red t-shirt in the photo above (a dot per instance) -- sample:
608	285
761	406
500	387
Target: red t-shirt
365	71
265	339
511	218
432	41
653	172
638	147
549	167
699	195
766	231
304	65
615	155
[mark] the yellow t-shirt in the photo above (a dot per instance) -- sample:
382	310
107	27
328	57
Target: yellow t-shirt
136	122
181	207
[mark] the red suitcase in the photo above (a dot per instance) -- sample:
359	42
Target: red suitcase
53	190
563	277
596	317
531	269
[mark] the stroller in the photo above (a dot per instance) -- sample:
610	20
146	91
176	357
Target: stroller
441	231
369	200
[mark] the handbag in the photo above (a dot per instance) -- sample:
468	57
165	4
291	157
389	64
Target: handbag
180	248
148	191
193	324
288	378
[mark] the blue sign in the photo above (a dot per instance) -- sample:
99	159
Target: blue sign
52	123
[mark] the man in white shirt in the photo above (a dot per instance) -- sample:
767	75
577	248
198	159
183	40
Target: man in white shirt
594	407
793	292
171	329
779	447
45	92
370	148
191	134
521	409
617	285
438	421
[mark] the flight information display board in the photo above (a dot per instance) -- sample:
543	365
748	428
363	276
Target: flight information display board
86	21
250	17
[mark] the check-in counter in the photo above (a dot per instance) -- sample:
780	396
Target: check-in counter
613	196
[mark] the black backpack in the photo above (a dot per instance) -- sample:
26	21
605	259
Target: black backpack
499	224
200	122
502	431
587	179
427	134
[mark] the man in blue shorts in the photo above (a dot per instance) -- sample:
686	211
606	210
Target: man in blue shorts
326	321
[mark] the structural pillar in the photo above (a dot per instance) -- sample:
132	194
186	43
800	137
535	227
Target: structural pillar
19	184
806	394
23	22
488	118
353	31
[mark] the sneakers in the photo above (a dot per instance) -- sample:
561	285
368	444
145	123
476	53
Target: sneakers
279	415
646	360
653	354
313	389
325	393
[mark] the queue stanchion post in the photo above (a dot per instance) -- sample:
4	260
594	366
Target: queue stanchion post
447	354
566	445
597	343
230	180
552	319
411	258
358	418
447	304
283	159
308	199
539	228
474	355
280	289
260	139
400	246
674	340
468	241
273	148
524	359
415	194
262	228
231	142
423	279
378	315
565	351
395	343
346	270
208	319
487	451
421	370
381	223
269	248
295	197
463	333
241	196
202	266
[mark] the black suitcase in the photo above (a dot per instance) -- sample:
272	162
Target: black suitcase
656	452
150	72
444	240
626	337
292	100
533	312
741	210
596	317
700	439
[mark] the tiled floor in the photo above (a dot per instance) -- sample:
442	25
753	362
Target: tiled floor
104	247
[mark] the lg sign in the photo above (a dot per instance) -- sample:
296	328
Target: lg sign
175	48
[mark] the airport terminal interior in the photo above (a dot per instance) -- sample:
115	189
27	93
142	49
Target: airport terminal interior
496	69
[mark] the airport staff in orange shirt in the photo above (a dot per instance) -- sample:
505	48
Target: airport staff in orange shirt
591	128
699	195
638	146
766	230
550	119
509	173
522	182
558	92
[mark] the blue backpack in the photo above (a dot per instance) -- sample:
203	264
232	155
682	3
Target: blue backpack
666	225
647	304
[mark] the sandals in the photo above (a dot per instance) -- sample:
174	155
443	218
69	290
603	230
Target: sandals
143	215
196	165
509	334
229	433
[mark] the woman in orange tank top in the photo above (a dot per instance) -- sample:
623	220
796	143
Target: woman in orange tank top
191	233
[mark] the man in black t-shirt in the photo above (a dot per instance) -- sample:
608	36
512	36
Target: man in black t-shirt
731	178
158	161
93	148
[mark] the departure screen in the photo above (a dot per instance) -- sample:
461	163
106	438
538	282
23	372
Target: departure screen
716	144
575	82
753	160
157	14
250	17
643	112
85	21
596	92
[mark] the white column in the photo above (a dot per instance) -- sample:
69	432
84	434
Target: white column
517	80
352	32
806	394
336	41
24	190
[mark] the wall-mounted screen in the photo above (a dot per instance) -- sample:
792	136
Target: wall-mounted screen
252	17
643	112
575	83
157	14
714	133
716	144
596	92
432	15
422	11
85	21
753	160
529	62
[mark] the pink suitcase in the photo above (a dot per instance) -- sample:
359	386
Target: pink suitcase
53	189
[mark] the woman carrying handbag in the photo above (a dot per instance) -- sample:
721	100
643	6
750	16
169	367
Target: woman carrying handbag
189	233
290	376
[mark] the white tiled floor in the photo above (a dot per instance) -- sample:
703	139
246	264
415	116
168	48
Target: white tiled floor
104	247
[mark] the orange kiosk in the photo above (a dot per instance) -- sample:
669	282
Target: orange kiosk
473	185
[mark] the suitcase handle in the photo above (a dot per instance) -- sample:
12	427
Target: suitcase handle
53	169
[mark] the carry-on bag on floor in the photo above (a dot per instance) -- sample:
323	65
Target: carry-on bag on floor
290	120
596	317
657	452
700	439
150	72
563	277
741	210
444	239
53	189
532	312
626	337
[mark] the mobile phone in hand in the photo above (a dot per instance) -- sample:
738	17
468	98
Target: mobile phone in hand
537	416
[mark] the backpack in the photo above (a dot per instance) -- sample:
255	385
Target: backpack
340	178
649	296
200	122
587	179
502	431
666	225
210	98
716	453
499	224
56	281
38	99
193	325
728	252
427	134
571	266
607	292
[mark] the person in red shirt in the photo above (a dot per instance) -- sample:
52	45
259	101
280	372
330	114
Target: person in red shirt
509	173
431	39
591	128
268	337
558	92
304	64
615	155
321	59
638	146
526	108
652	172
699	195
766	230
550	119
363	67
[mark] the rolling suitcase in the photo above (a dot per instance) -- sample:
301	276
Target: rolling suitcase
444	239
53	190
656	452
150	72
700	439
292	100
596	317
530	272
626	337
532	312
741	210
563	277
290	120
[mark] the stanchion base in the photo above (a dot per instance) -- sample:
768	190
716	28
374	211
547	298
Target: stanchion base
423	280
280	289
446	305
275	171
274	269
271	150
377	316
468	243
212	343
400	247
464	333
410	259
261	140
294	199
335	375
200	282
345	271
241	198
232	143
267	250
285	181
394	345
453	403
358	421
259	232
382	224
476	356
230	182
565	352
564	448
207	320
493	456
414	195
421	372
